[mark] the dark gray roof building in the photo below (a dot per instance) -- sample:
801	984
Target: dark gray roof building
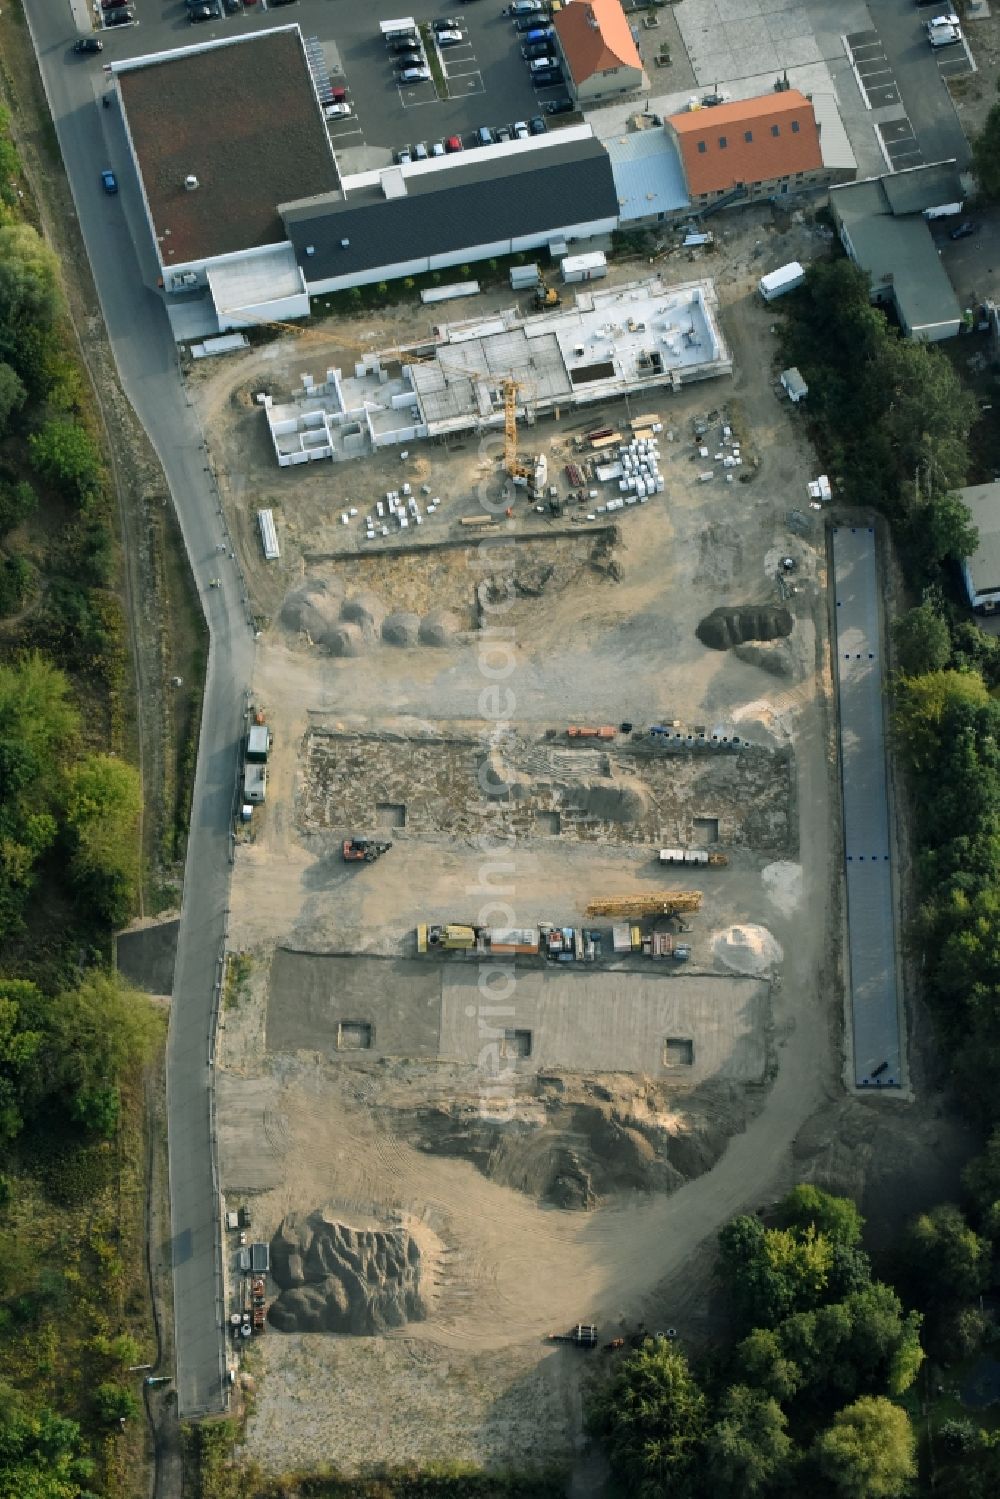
492	199
242	121
882	228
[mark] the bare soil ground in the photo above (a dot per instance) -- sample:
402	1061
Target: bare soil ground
558	1187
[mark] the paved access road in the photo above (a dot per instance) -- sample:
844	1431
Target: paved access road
147	364
871	910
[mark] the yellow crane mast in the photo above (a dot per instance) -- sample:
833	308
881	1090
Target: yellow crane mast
669	904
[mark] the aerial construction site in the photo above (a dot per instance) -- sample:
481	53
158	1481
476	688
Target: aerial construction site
534	935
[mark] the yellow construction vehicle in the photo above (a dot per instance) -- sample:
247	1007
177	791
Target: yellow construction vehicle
670	903
546	295
451	938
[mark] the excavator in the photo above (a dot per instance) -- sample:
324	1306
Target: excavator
364	850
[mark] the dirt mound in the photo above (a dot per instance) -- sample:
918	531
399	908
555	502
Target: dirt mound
312	607
367	611
617	799
401	629
439	627
748	949
345	1280
777	660
576	1145
736	625
344	640
497	779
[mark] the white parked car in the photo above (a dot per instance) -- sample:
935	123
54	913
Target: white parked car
337	111
414	75
521	131
944	31
449	38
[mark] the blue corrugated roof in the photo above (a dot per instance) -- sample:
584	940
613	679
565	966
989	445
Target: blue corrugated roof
649	178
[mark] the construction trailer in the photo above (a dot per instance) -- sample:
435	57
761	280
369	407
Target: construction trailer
700	856
776	283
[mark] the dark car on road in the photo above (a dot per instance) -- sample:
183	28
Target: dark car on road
547	77
538	49
537	125
559	106
109	182
964	230
120	17
89	44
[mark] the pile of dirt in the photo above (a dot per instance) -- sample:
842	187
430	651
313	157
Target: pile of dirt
777	660
439	627
401	629
344	640
367	611
748	949
313	608
573	1146
731	625
498	780
345	1280
617	799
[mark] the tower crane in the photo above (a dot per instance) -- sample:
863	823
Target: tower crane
510	387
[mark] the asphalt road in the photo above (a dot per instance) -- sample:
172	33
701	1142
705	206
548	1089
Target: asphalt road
147	364
922	90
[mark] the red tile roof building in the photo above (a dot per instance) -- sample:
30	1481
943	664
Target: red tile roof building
765	146
599	54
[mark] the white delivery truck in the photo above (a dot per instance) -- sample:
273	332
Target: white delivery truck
785	278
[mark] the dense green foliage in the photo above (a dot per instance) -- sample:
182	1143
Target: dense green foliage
867	1450
54	797
825	1353
73	1040
651	1419
986	155
889	415
947	728
41	1455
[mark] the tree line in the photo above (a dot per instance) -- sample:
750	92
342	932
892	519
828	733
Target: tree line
73	1038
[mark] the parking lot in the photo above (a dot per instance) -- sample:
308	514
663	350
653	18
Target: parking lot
485	77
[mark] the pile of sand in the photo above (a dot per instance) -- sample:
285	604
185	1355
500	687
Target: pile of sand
401	629
747	949
735	625
345	1280
439	627
783	883
313	607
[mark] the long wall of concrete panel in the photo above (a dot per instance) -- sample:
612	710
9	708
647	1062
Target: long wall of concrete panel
879	1059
